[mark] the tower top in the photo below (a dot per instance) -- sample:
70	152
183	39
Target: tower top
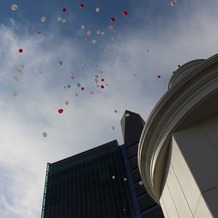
131	125
184	71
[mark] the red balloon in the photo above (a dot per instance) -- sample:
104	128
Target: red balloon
82	88
60	111
102	80
64	9
20	50
125	13
158	76
113	19
82	5
102	86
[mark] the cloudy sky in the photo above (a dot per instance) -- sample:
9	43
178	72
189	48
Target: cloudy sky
67	48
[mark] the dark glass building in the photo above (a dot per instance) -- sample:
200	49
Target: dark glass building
103	182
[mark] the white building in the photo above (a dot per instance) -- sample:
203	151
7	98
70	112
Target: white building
178	149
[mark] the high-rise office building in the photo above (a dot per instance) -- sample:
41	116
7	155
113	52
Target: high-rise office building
178	149
103	182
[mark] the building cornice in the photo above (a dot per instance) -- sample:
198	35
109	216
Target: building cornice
185	93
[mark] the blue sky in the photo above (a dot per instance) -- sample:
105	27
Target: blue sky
151	40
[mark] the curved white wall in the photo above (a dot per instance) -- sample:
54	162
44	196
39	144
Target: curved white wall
178	149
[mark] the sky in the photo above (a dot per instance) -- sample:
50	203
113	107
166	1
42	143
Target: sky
122	64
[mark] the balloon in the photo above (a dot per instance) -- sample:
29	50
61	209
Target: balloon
82	27
78	84
15	78
66	102
14	93
97	10
125	179
102	86
110	27
44	134
125	13
88	33
173	2
113	177
82	5
158	76
63	20
14	7
127	115
60	111
43	19
113	19
113	39
20	50
94	41
19	70
59	19
64	9
98	32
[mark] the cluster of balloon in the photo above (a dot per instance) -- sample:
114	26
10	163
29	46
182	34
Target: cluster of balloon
99	81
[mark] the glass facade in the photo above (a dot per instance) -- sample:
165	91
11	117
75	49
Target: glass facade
91	184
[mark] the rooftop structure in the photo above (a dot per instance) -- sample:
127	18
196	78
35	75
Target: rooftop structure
178	149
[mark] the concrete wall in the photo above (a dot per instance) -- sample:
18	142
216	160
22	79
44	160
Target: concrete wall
191	188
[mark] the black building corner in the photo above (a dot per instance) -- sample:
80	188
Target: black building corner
103	182
132	125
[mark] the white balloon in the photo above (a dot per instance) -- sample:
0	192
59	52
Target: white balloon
14	7
15	78
43	19
14	93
